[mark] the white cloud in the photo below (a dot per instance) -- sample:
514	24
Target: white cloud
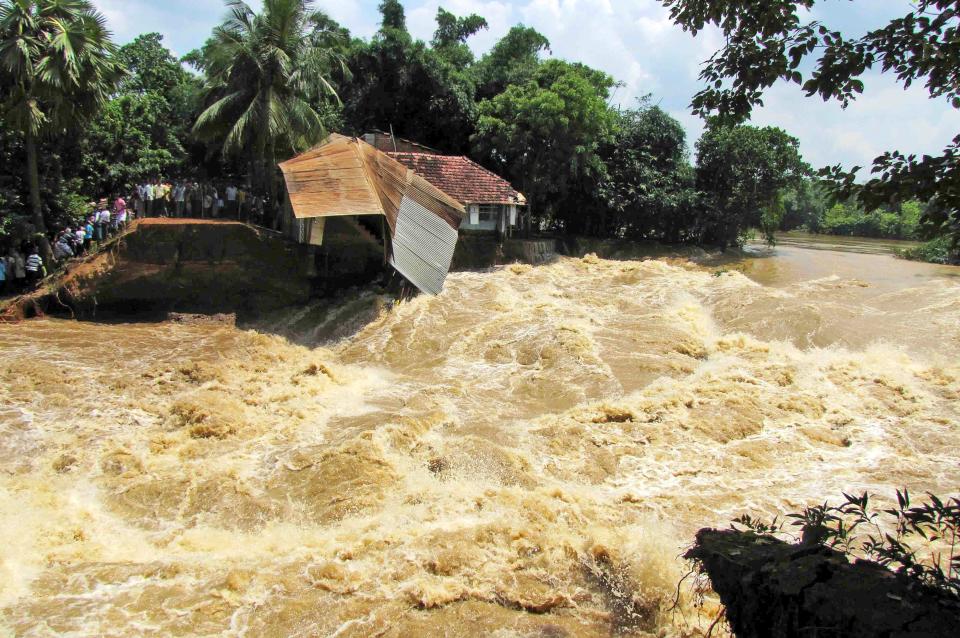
885	117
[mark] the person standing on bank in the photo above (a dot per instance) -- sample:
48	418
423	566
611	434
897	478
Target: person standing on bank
179	199
88	233
146	193
34	266
231	193
119	212
19	267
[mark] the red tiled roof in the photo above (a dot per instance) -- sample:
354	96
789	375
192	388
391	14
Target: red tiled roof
457	176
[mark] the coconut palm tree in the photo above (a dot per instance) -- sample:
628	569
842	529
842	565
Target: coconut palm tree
265	72
57	64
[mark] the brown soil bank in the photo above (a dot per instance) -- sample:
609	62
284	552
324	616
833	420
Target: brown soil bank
776	590
183	265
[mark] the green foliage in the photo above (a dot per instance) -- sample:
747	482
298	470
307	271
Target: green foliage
58	69
512	60
424	94
143	132
545	135
133	139
769	40
58	59
264	73
804	206
918	542
393	15
807	207
741	171
450	38
647	190
850	219
150	66
73	205
936	251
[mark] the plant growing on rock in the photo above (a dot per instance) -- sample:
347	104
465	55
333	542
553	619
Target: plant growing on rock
917	541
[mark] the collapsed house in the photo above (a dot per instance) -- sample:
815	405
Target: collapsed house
346	177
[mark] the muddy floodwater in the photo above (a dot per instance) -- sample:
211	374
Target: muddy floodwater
526	454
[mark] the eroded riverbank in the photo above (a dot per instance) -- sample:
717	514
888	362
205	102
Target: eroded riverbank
527	453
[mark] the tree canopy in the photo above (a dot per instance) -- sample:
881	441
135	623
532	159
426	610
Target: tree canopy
546	132
59	68
423	93
265	73
647	189
771	40
741	173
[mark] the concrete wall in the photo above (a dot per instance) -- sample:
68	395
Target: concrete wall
477	251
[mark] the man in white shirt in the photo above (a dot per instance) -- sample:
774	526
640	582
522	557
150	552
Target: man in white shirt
146	192
231	194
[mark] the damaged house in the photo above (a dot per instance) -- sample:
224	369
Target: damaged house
412	201
345	177
491	203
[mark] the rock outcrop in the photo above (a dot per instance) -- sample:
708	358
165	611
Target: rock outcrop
772	589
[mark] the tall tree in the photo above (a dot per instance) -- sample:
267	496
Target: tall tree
647	189
265	71
741	172
58	64
144	130
769	40
512	60
150	66
393	14
804	206
450	38
544	135
400	82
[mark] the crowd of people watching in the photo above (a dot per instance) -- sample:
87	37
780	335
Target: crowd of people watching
192	199
23	267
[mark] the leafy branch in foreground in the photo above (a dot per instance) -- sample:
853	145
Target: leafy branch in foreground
918	542
767	41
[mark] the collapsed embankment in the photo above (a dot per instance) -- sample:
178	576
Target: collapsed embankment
184	265
215	266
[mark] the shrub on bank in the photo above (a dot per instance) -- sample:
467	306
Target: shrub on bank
919	542
935	251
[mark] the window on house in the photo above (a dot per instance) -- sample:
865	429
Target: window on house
488	212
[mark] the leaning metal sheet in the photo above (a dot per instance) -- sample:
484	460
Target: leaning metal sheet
423	246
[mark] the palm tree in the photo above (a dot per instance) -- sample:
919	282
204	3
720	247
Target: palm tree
265	72
56	59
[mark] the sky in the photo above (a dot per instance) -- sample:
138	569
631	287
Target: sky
636	43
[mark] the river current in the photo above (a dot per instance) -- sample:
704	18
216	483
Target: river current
527	454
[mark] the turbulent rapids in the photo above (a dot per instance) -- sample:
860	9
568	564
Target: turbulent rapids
526	454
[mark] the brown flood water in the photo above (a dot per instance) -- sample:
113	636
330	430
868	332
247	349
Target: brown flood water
526	454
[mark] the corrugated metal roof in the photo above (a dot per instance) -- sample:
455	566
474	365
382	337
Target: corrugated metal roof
423	246
345	177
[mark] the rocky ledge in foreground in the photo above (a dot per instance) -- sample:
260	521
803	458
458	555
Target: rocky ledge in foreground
773	589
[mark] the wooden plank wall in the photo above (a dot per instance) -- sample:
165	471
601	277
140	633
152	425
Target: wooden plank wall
330	180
